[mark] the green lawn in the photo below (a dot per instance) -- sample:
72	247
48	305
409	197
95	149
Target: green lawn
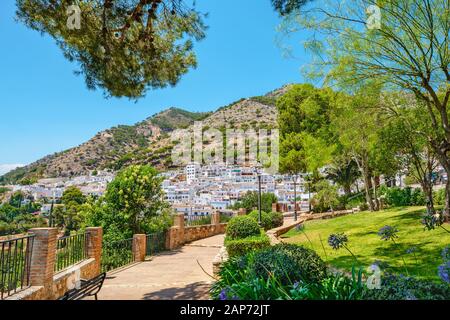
364	242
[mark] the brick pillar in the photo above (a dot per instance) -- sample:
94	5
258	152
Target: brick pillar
178	220
215	218
43	258
94	249
242	212
175	235
139	247
274	207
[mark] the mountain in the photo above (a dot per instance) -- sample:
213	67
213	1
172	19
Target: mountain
147	141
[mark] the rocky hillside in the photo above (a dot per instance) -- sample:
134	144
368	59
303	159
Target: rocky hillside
147	141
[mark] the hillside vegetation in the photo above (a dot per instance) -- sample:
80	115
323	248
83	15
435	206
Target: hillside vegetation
147	142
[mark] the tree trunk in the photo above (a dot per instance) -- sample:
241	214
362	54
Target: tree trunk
367	186
376	183
447	200
364	169
428	191
347	190
445	163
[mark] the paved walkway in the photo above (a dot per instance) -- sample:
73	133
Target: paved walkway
170	275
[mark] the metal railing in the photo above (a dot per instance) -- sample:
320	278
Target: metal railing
117	254
191	220
156	242
70	250
15	264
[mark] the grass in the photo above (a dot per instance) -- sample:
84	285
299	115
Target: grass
366	245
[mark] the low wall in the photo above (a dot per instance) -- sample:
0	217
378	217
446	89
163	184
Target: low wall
205	231
179	234
274	234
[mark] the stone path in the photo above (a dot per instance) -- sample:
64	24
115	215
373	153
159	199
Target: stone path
170	275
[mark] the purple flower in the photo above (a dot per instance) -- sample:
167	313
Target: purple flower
388	233
411	250
444	271
446	254
223	295
337	240
296	284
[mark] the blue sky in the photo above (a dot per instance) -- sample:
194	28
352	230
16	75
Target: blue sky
45	108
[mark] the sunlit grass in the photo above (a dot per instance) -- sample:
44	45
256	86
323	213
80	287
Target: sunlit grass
364	242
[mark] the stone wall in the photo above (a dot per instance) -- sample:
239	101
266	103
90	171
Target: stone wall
179	234
205	231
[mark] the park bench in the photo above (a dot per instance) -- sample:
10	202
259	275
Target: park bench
87	288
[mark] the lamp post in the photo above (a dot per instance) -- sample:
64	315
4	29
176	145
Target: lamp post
295	197
50	218
258	173
309	196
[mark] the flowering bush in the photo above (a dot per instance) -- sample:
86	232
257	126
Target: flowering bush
444	269
337	240
400	287
388	233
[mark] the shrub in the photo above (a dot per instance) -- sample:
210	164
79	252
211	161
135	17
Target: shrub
238	281
418	197
326	197
270	274
240	247
277	219
241	227
310	266
439	197
398	197
399	287
266	220
250	201
333	287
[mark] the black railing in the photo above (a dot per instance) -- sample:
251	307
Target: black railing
191	220
156	242
70	250
15	264
117	254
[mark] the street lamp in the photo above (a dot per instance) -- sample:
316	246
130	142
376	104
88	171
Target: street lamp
295	178
50	218
258	173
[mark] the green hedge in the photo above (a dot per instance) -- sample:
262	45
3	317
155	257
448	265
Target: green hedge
240	247
277	219
241	227
268	220
398	197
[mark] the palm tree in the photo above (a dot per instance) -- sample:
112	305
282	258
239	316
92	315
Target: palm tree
344	172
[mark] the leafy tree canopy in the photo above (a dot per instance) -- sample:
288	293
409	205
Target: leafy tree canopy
73	195
123	47
285	7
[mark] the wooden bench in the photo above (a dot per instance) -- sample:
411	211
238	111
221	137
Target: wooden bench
87	288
